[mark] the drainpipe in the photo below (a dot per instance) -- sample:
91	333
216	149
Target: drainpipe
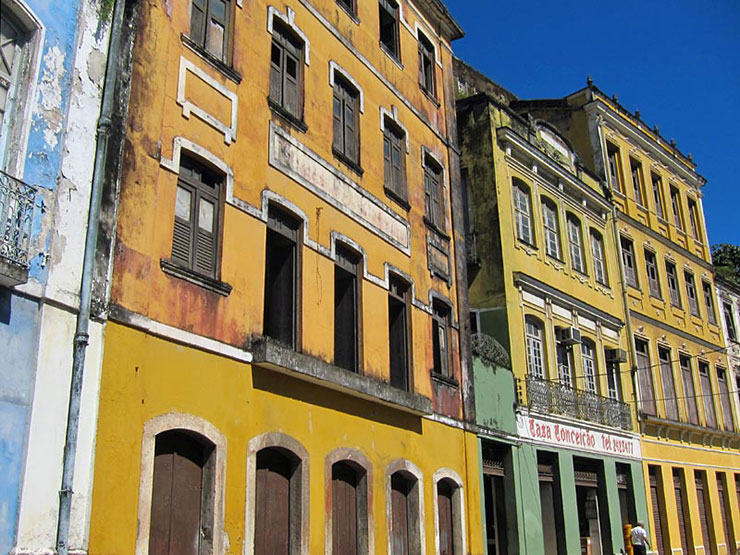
81	338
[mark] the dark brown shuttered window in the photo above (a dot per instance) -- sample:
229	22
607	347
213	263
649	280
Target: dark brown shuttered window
658	512
388	11
688	389
669	387
433	200
652	273
398	332
346	503
405	532
281	277
709	302
702	498
209	26
670	270
195	239
628	259
613	162
277	514
681	510
286	70
427	80
394	159
346	310
724	509
445	512
346	120
647	395
706	392
182	495
441	338
724	398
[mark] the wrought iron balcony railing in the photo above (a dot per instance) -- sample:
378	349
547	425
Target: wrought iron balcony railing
16	217
549	397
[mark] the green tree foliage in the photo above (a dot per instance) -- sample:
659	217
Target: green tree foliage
726	260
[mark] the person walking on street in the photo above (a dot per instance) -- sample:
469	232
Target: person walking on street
639	539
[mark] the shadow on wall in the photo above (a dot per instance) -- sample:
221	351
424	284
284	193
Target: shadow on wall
5	305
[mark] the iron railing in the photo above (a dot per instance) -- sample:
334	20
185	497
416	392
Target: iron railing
549	397
16	216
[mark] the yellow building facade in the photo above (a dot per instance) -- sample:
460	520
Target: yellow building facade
687	418
284	350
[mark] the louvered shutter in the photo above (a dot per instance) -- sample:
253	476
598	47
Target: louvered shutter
428	194
437	209
337	117
399	183
702	505
387	166
655	502
291	92
724	510
706	389
678	490
422	83
350	126
205	241
276	73
198	21
182	237
724	399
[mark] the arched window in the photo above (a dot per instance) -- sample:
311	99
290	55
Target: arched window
551	227
522	212
575	242
536	364
588	356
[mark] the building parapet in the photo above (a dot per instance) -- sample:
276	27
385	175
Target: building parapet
16	216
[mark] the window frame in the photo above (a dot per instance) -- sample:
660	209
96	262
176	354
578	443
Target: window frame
399	293
689	389
708	292
565	363
573	223
645	384
657	183
394	178
350	6
705	382
348	264
692	294
668	383
347	96
287	41
676	208
442	330
551	228
392	9
725	400
590	366
729	320
452	480
533	341
613	161
200	37
522	211
694	219
637	182
629	262
435	207
409	471
427	63
674	290
600	270
653	276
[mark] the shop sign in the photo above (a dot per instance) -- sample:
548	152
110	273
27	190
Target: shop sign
575	437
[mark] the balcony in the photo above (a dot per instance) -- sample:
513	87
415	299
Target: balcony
16	216
547	397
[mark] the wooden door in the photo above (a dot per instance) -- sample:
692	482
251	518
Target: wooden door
272	514
657	515
400	533
344	510
444	509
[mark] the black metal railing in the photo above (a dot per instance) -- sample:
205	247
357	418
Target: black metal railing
548	397
16	217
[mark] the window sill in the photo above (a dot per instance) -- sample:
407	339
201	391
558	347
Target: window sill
175	270
344	159
435	228
402	202
286	116
228	71
444	380
351	15
528	244
269	354
394	58
431	96
603	284
555	258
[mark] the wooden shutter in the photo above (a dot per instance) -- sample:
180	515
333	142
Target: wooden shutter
175	526
688	389
724	398
350	126
337	114
273	508
445	514
657	515
724	510
440	339
669	389
678	490
344	510
706	390
397	164
206	248
387	149
291	83
182	236
400	515
198	10
647	396
702	501
276	72
218	28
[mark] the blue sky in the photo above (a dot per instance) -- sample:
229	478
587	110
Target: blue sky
677	62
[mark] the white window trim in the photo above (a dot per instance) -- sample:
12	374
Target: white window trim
179	421
411	468
418	30
289	21
458	498
334	67
393	116
256	444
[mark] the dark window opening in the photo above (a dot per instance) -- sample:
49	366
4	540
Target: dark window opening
730	321
636	170
551	502
281	278
405	529
286	70
210	26
389	27
348	5
427	80
433	194
613	167
398	331
345	115
394	159
346	310
441	338
709	302
278	506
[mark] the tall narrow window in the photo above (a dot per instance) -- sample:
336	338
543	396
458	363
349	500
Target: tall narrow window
689	392
597	250
628	259
281	277
613	167
729	321
669	388
398	332
645	380
613	382
535	349
694	219
724	399
691	293
680	509
441	338
636	171
14	42
349	509
658	507
447	517
670	270
676	206
394	158
433	198
707	394
652	273
389	27
551	227
704	504
564	357
278	505
709	302
346	310
588	357
724	510
209	26
346	120
286	70
182	495
195	240
575	242
427	80
522	212
405	531
658	196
